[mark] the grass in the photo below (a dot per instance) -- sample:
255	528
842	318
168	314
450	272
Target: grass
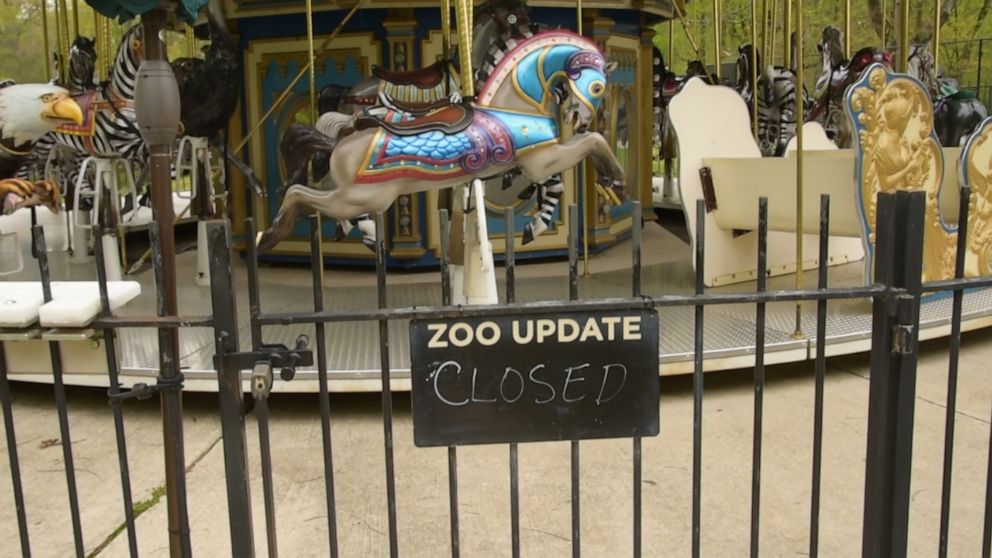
137	508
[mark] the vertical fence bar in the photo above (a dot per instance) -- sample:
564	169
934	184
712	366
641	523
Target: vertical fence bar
262	401
15	467
892	388
320	337
230	392
511	296
110	349
697	381
952	371
265	456
759	375
387	387
452	450
60	397
820	373
635	288
573	294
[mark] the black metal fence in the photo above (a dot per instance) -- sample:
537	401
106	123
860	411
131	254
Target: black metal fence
896	294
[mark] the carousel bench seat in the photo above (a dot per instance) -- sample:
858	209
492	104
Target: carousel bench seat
74	304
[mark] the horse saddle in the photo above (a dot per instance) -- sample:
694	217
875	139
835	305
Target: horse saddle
450	119
92	101
424	78
418	108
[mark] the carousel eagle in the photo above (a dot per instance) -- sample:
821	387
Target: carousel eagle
28	112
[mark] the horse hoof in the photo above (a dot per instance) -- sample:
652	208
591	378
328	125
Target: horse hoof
265	241
528	234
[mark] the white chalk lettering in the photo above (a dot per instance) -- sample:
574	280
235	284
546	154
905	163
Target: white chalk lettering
502	384
437	376
569	380
546	384
436	342
606	377
475	398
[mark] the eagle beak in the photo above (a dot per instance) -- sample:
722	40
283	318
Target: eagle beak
63	107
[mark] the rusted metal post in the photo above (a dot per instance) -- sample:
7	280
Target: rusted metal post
157	111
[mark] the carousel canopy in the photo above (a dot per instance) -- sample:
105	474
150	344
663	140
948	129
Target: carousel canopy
124	10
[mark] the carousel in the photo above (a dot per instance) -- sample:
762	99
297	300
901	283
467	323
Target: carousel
540	136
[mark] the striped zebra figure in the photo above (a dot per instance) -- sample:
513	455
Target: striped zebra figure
109	128
777	101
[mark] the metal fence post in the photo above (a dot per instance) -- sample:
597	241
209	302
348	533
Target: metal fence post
229	388
892	389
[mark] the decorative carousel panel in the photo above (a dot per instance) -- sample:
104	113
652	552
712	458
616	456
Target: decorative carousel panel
897	149
271	67
977	175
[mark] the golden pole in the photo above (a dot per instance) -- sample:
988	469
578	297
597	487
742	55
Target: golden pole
936	36
44	33
670	63
904	36
59	43
764	27
754	67
786	27
772	15
463	11
282	98
847	28
716	39
75	17
446	27
584	186
312	72
884	11
190	42
799	164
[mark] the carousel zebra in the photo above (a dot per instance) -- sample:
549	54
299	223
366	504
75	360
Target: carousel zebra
777	101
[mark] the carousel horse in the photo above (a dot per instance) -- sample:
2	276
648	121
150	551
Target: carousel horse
956	113
776	91
512	124
837	72
500	26
424	89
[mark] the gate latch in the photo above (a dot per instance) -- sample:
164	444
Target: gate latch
268	357
904	329
261	380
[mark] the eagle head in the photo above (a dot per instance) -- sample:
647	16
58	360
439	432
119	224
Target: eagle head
31	110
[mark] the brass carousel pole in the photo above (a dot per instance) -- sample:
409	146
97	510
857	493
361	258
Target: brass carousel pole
884	11
800	117
904	36
716	40
772	15
754	67
190	41
44	33
312	76
786	26
670	61
446	28
847	28
60	43
936	37
584	185
75	17
463	11
764	27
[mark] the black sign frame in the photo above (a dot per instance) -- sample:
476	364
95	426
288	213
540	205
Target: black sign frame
535	377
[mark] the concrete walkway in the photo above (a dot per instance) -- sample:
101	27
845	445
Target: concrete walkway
544	473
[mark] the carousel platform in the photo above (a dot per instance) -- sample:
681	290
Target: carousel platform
353	352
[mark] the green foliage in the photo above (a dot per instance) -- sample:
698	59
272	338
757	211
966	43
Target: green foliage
959	35
22	56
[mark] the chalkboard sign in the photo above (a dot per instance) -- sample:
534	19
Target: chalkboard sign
528	378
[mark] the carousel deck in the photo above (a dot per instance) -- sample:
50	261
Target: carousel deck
353	351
